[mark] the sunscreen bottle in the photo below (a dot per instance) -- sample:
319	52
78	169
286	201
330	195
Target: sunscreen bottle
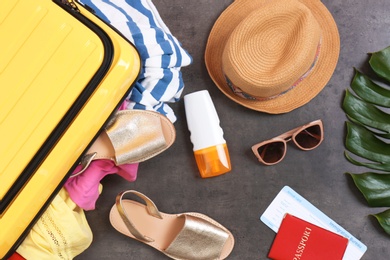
210	149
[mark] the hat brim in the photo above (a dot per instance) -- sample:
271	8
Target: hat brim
296	97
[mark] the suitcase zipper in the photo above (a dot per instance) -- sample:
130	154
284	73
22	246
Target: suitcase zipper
71	4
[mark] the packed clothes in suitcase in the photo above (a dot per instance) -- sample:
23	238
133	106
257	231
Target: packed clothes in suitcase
63	73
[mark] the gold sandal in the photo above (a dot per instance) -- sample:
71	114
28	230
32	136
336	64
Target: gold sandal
189	236
131	136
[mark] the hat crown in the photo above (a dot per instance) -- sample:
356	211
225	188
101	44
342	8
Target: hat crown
272	49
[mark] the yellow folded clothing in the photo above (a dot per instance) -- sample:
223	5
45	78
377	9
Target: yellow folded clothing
62	232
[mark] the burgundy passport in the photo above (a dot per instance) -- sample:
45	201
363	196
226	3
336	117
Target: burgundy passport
298	239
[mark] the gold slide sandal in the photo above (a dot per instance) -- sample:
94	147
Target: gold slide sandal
187	236
131	136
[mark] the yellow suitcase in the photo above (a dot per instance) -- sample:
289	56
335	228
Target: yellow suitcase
63	73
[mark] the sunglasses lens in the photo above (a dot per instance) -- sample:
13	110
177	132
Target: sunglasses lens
309	137
271	152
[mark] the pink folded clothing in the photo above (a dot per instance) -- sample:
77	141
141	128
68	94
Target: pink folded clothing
84	188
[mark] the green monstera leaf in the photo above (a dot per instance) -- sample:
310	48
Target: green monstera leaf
371	165
375	187
384	220
368	90
366	113
364	143
367	107
380	63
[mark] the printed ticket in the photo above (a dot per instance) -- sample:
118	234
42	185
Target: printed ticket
288	201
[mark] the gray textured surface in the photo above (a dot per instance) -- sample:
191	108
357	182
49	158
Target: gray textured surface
238	198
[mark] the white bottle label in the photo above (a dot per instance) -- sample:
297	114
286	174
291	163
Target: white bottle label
202	120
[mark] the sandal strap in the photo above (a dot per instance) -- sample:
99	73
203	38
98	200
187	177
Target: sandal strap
199	239
150	207
85	162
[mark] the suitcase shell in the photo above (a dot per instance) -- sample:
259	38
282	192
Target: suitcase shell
63	73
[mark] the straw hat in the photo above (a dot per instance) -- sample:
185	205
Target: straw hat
273	55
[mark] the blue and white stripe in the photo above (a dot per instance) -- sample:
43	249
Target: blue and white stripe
162	56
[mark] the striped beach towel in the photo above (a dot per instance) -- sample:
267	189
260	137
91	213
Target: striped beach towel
162	55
